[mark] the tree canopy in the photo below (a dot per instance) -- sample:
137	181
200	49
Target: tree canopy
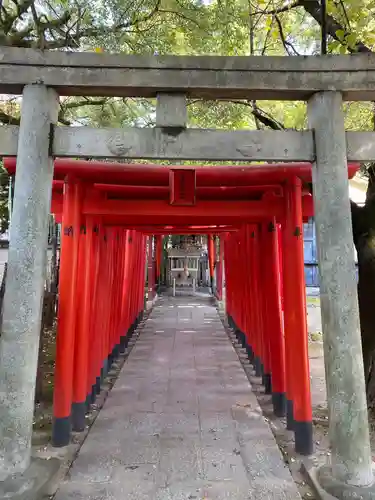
221	27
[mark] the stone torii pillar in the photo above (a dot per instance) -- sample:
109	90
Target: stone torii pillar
349	475
24	289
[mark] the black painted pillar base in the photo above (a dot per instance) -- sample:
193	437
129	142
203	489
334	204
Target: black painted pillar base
109	362
61	429
105	368
279	404
88	403
93	394
236	332
289	415
79	416
250	353
131	331
267	383
303	436
257	366
99	381
122	346
243	340
230	321
116	352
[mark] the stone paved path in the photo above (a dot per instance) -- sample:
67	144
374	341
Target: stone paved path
181	423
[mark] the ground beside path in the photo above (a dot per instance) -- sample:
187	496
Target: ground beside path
181	422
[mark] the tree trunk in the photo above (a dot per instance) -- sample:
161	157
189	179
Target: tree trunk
363	219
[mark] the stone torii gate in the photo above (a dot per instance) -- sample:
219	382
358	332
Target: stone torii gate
324	82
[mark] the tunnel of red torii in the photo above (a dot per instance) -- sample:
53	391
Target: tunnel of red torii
113	219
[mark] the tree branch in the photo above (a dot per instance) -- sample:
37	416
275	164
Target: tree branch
284	41
285	8
260	115
7	119
78	104
313	8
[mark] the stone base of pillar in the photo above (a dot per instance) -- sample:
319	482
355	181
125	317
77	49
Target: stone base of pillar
31	484
328	488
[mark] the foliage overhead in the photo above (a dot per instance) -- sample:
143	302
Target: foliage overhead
215	27
221	27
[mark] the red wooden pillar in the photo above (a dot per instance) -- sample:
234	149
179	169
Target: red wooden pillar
140	277
104	299
275	323
232	273
63	382
265	290
241	299
247	312
136	279
256	301
150	269
82	342
295	320
119	291
219	274
231	243
132	282
115	293
158	260
122	292
236	285
107	354
248	272
100	326
143	278
95	361
228	279
211	259
125	325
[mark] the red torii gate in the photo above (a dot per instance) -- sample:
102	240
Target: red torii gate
108	209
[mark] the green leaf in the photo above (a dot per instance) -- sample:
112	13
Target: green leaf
342	49
351	40
340	34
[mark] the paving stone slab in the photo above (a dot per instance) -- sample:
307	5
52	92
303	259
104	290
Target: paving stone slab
181	422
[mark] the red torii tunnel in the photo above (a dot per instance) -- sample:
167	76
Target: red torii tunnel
110	213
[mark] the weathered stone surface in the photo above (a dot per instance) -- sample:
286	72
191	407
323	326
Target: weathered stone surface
171	110
206	77
189	144
347	405
206	436
32	483
24	290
